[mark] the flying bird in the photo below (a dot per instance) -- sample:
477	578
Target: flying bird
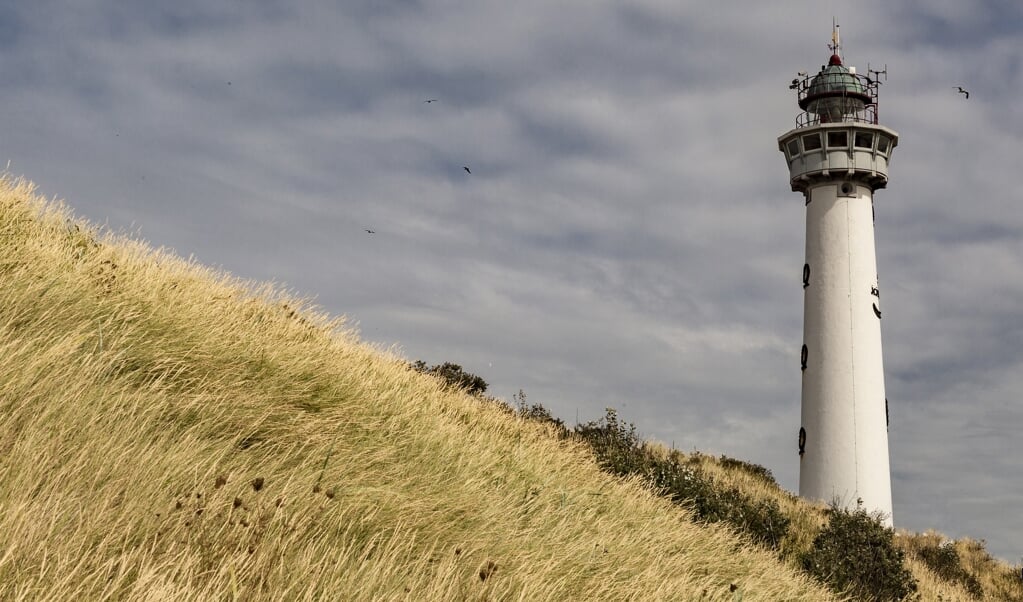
429	100
466	168
368	231
962	91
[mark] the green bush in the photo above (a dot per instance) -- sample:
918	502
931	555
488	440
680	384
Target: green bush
615	444
619	450
454	376
748	467
761	520
855	554
538	413
944	560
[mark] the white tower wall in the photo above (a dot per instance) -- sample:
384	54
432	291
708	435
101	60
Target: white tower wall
845	456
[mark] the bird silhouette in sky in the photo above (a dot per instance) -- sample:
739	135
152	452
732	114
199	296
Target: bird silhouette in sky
429	100
368	231
466	168
963	91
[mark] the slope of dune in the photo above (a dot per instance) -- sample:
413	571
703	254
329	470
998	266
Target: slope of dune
170	432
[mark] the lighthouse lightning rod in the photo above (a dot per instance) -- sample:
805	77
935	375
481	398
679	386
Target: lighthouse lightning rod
835	45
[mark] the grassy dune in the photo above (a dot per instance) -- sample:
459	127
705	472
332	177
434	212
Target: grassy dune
169	432
995	579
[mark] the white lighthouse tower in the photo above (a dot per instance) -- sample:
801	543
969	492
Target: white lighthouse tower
838	156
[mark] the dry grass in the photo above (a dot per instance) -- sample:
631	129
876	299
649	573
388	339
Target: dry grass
168	432
1000	581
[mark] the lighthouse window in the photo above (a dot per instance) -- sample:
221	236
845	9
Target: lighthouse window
803	357
863	140
811	142
838	139
806	275
882	144
793	147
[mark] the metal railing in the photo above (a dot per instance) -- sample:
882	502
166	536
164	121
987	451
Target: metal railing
866	115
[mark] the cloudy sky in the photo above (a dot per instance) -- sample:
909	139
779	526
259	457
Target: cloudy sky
627	237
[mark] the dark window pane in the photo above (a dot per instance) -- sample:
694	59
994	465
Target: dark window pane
793	147
811	142
864	140
838	139
882	144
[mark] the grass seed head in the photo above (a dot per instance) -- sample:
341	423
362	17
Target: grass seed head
489	569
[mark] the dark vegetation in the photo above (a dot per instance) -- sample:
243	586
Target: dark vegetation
620	451
944	560
749	468
854	553
454	376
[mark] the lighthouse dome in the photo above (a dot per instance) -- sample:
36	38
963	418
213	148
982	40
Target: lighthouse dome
835	92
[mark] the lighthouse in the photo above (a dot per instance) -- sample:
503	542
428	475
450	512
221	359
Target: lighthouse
838	156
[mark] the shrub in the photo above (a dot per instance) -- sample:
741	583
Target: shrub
619	450
761	520
454	376
1000	581
855	554
944	560
615	444
538	413
748	467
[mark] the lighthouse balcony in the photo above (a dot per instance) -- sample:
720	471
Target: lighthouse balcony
838	151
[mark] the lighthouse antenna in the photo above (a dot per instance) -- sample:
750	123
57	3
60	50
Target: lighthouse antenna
836	44
878	73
